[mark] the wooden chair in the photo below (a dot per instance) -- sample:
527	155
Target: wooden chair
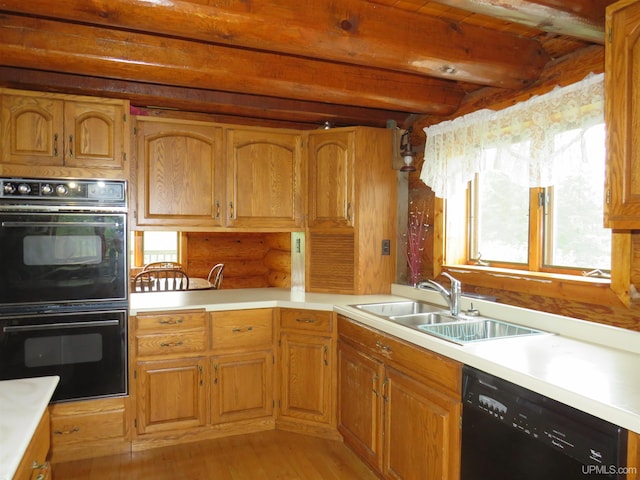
156	265
160	280
215	276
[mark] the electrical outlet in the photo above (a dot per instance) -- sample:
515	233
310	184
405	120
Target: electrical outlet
386	247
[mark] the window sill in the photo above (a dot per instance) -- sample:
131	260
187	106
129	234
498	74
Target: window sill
567	287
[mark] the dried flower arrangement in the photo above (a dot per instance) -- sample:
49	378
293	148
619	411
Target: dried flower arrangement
413	241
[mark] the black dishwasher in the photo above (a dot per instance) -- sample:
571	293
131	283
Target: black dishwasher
511	433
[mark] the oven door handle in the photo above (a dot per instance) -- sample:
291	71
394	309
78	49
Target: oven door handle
60	224
52	326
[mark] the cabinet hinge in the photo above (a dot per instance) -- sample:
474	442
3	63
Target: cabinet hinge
607	196
543	199
610	35
124	156
135	374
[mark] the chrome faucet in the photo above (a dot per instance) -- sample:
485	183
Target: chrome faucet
451	296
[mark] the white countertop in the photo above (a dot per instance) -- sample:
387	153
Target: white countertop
22	404
589	366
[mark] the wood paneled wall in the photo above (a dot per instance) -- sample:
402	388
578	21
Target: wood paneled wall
252	260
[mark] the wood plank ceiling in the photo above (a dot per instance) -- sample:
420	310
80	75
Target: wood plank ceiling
296	63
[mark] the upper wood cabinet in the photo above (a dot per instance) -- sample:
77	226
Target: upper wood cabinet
352	201
62	135
180	173
622	89
331	178
264	178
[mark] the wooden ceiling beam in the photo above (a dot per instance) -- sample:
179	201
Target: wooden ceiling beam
234	107
350	31
39	44
580	19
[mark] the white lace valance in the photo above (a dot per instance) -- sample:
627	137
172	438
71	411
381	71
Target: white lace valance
533	141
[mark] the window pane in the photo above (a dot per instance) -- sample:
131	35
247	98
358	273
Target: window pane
502	219
160	247
576	235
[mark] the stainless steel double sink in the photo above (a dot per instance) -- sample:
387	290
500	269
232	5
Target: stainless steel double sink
431	319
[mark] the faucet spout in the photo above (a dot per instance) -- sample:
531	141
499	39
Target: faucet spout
451	296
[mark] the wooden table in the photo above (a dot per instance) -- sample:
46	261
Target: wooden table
195	283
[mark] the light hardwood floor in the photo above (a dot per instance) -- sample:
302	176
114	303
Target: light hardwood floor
271	455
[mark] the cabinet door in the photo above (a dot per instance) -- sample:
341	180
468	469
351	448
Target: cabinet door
32	130
622	89
421	430
241	387
306	377
360	379
178	177
331	179
170	395
264	179
94	135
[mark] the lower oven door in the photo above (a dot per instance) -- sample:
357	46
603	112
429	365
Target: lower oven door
88	350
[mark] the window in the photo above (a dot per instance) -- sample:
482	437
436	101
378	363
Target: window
536	171
153	246
556	228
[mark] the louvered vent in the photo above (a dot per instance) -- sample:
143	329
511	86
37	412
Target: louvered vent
331	266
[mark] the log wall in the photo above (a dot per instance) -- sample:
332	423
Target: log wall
252	260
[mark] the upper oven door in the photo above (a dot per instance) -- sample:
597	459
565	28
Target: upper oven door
58	257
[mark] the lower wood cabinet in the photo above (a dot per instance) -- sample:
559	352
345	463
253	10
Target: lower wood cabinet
34	464
399	405
242	386
89	428
170	394
199	375
307	372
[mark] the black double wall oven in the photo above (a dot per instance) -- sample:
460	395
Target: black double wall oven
63	284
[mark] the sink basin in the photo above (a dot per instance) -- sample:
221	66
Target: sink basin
468	331
431	319
424	319
392	309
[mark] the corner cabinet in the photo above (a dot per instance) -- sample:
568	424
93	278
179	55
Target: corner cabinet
180	174
307	372
622	88
352	205
63	135
264	178
399	406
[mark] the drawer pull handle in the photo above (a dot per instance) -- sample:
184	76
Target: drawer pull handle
383	347
66	432
171	344
239	330
306	320
171	321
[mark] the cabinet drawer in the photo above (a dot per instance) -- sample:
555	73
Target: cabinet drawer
86	426
170	321
313	320
169	344
242	329
433	367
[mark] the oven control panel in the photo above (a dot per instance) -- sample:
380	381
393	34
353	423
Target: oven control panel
62	192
